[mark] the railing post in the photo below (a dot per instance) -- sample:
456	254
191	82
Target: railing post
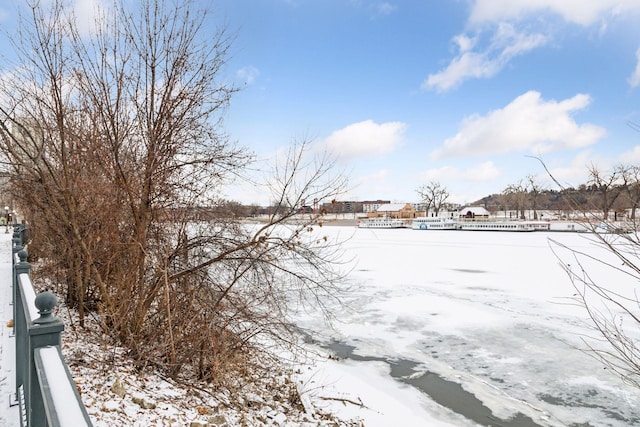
24	234
39	383
16	246
16	240
20	320
45	332
22	266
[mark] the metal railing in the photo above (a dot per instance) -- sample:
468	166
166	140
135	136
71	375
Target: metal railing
45	389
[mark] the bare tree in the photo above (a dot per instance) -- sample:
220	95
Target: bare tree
516	195
502	203
534	190
114	145
614	311
606	187
630	176
433	195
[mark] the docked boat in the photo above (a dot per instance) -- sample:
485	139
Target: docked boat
540	225
382	222
496	226
434	223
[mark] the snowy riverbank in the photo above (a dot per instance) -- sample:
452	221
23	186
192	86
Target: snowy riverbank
486	316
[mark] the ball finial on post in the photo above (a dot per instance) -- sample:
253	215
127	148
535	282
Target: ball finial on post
45	303
23	255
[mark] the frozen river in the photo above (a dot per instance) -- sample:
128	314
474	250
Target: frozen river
457	328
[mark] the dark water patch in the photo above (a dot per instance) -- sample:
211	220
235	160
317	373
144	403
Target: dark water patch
447	393
575	402
451	395
468	270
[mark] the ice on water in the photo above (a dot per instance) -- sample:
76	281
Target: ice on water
492	311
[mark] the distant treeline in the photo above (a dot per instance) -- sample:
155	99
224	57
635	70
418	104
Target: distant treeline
617	199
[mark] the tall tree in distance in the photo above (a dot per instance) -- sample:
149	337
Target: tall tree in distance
433	195
516	196
606	187
534	190
630	176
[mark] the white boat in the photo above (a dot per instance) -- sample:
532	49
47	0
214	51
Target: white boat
434	223
496	226
540	225
382	222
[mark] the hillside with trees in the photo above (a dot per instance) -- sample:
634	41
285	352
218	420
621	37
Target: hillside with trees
613	192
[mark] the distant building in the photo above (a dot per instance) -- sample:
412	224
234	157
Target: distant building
473	212
341	207
369	207
447	210
394	210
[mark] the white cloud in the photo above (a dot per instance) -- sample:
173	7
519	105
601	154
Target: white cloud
374	179
632	156
486	62
374	8
86	12
248	74
464	42
582	12
445	173
482	172
573	174
485	171
498	17
465	184
634	79
385	8
527	124
378	184
365	139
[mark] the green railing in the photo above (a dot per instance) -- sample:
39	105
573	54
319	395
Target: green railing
45	389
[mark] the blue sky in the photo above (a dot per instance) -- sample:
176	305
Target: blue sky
459	91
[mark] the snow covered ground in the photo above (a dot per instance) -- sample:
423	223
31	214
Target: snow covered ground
9	412
447	328
489	311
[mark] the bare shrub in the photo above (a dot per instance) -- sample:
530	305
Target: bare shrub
114	144
611	303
